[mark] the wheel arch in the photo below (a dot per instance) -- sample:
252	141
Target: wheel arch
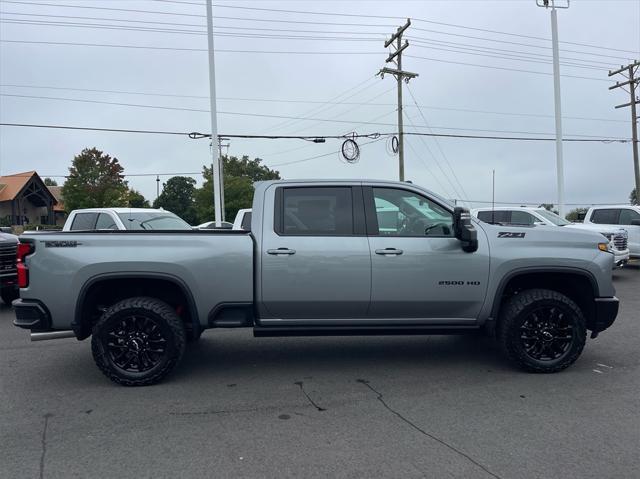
578	284
84	316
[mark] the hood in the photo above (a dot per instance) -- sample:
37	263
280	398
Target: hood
604	229
544	235
8	238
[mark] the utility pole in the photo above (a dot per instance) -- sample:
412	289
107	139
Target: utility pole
400	76
215	163
557	99
633	82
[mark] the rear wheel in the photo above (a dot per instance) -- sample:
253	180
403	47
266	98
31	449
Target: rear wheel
138	341
542	331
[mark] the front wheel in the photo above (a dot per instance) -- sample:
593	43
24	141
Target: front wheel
138	341
542	331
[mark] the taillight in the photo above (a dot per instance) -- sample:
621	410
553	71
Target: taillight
24	250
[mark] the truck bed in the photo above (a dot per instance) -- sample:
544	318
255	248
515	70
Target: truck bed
214	265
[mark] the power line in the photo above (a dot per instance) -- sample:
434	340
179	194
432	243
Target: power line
182	49
493	67
424	118
312	137
263	115
319	102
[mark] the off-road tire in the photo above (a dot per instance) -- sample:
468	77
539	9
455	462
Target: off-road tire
515	313
161	314
8	295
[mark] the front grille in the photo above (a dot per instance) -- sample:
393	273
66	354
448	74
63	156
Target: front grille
620	241
8	258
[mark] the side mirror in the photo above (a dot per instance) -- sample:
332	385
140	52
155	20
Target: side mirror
635	222
464	230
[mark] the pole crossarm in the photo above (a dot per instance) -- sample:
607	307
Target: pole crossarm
624	68
628	82
398	33
396	73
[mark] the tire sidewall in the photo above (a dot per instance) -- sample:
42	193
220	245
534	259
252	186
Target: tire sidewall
514	342
102	356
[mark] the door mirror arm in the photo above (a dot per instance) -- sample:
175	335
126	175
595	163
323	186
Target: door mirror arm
464	229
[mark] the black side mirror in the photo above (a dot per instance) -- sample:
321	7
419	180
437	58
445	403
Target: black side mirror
464	229
635	222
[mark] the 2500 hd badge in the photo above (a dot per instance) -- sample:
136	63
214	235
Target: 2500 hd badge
458	283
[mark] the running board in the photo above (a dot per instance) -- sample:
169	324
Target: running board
275	331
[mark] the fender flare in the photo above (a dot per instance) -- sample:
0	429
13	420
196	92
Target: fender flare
77	323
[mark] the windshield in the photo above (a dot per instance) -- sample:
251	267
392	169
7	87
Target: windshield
554	218
153	220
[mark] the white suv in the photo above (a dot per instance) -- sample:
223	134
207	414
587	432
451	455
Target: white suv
524	216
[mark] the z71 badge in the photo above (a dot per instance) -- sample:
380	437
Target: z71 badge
510	234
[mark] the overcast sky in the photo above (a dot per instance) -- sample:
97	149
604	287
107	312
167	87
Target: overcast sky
469	52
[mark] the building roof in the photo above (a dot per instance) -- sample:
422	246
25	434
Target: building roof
56	191
11	185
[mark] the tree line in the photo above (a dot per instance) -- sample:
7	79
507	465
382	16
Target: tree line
97	180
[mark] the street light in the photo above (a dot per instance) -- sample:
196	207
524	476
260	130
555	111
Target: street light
556	94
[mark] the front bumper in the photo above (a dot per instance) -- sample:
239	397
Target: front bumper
606	312
31	315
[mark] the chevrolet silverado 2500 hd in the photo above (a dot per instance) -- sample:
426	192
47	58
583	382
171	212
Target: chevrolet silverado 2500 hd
322	258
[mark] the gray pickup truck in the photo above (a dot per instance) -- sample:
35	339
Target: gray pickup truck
322	258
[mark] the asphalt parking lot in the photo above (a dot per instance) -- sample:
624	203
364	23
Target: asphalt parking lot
397	407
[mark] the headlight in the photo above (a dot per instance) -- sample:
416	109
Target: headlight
606	247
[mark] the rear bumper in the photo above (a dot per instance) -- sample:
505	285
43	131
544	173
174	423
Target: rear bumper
31	315
606	312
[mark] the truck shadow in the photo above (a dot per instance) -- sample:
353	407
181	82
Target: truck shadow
242	354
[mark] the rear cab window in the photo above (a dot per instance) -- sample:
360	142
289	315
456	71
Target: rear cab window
500	217
84	221
315	211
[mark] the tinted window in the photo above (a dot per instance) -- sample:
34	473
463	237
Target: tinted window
105	222
160	220
403	213
84	221
605	217
627	215
246	221
521	218
317	211
495	217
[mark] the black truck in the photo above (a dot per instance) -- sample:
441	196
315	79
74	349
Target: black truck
8	271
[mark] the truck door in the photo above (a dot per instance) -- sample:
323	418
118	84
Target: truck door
315	264
628	215
419	271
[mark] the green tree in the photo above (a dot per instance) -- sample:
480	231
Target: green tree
95	181
137	200
633	197
576	215
239	176
178	197
50	182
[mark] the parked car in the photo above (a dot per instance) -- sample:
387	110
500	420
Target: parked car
8	271
316	262
525	216
123	219
212	225
624	216
243	220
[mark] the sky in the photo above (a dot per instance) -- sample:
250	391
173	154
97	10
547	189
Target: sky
484	69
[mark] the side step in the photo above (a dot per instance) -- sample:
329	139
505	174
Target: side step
275	331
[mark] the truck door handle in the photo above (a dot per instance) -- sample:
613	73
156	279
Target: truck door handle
281	251
389	251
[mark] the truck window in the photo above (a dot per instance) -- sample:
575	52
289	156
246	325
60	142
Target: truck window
404	213
495	217
522	218
246	221
605	216
84	221
105	222
626	216
315	212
